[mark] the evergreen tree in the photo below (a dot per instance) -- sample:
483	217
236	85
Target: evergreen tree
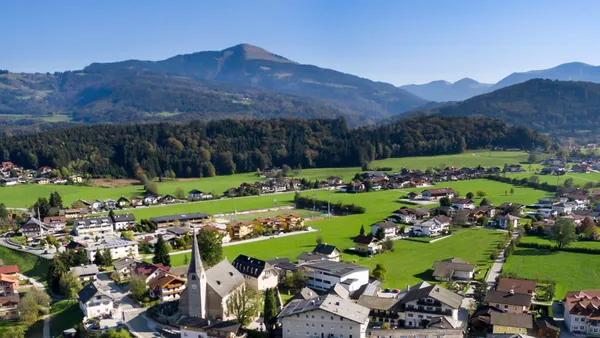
55	270
270	311
161	253
55	200
380	272
99	259
362	230
42	206
107	257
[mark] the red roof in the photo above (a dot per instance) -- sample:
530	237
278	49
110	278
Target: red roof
9	269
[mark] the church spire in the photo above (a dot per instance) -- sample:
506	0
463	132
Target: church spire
192	302
196	262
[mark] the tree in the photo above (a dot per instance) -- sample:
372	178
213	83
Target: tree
128	235
137	287
512	191
58	266
319	239
298	279
80	257
286	169
270	311
55	200
388	245
481	193
210	244
532	158
445	202
534	179
568	183
179	194
380	234
35	301
161	253
362	230
485	201
70	285
469	195
99	258
15	332
587	229
380	272
107	257
563	233
3	212
479	290
244	304
151	188
43	206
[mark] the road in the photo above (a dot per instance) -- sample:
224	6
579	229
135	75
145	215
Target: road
496	268
38	252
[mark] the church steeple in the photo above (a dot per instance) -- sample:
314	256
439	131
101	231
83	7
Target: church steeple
192	302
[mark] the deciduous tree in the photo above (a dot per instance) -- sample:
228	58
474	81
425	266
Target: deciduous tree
563	233
244	304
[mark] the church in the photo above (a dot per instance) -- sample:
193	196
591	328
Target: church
203	303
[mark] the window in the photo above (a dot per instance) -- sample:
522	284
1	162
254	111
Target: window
576	319
410	315
313	324
506	306
322	317
322	325
308	334
331	317
350	327
420	316
307	325
306	316
288	331
312	316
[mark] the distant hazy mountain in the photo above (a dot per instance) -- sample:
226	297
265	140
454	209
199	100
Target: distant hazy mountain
574	71
442	91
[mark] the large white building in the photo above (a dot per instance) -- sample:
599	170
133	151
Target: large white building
582	314
93	226
423	302
324	317
94	301
258	273
123	221
323	275
119	248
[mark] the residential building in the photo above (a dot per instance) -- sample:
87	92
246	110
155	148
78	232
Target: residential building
9	284
305	257
329	251
34	228
123	221
383	310
179	231
85	273
323	275
405	215
565	208
388	228
526	286
76	179
74	213
581	312
119	248
149	271
328	316
42	180
366	244
423	302
95	300
511	323
436	194
505	221
505	207
195	195
9	181
239	230
125	266
418	333
258	273
462	204
547	327
93	226
166	287
431	227
136	201
291	221
334	180
170	220
109	204
55	223
9	307
509	301
123	202
452	269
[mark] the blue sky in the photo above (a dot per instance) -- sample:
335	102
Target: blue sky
396	41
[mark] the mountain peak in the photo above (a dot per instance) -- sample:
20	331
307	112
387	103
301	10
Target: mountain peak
251	52
466	80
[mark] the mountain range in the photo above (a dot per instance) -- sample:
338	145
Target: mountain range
466	88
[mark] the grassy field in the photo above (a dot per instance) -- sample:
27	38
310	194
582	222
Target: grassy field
29	265
578	178
250	217
65	315
22	196
542	240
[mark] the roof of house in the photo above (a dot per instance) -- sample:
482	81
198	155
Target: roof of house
546	323
9	269
517	285
309	257
385	225
440	191
501	297
250	266
437	292
419	333
324	249
124	217
163	279
223	278
306	293
583	303
338	269
121	263
85	270
379	303
179	230
9	300
521	320
181	217
90	290
146	269
446	268
365	239
330	303
283	264
462	201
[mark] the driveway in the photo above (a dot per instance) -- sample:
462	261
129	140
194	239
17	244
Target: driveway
496	268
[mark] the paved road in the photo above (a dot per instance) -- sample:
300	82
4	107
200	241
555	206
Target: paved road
496	268
37	252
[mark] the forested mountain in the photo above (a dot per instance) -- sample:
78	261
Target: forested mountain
237	82
442	91
562	108
227	146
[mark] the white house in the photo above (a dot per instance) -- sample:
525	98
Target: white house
564	208
119	248
195	195
462	204
97	205
328	251
95	301
334	180
453	268
423	302
504	221
325	274
257	272
405	215
581	311
93	226
389	228
431	227
325	317
123	221
109	204
85	273
9	181
544	212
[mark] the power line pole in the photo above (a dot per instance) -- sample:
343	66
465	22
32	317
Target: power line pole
329	203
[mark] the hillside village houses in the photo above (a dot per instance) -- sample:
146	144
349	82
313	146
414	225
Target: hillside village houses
257	273
95	300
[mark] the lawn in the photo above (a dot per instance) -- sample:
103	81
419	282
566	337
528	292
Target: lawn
542	240
578	178
65	315
29	265
24	195
252	216
570	271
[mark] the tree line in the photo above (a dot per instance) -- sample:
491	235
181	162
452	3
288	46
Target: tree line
224	147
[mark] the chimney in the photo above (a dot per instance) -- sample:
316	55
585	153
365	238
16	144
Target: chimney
512	292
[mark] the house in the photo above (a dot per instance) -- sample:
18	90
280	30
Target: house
76	179
191	218
481	318
545	212
291	221
431	227
367	245
305	257
85	273
258	273
511	323
482	211
125	266
413	195
512	168
383	310
324	316
123	202
453	268
167	199
95	300
166	287
9	181
526	286
207	292
118	248
388	228
547	327
136	201
9	284
123	221
329	251
581	312
55	222
324	274
239	230
41	180
179	231
436	194
334	180
405	215
509	301
195	195
355	187
564	208
505	207
75	213
93	226
462	204
97	205
33	228
9	307
150	199
423	302
505	221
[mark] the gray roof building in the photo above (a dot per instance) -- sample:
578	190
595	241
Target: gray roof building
250	266
337	269
446	268
424	289
180	217
91	290
223	278
522	320
510	298
85	270
330	303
